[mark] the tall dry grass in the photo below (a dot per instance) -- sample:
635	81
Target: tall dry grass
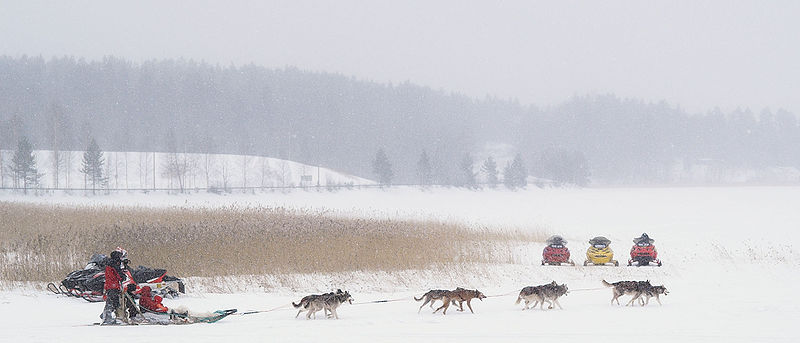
45	242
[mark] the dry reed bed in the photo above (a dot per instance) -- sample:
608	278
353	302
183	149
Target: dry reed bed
45	242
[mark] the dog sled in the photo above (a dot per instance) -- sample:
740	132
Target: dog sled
139	314
556	252
643	252
600	253
147	317
87	283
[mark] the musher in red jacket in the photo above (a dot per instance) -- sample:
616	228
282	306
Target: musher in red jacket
113	285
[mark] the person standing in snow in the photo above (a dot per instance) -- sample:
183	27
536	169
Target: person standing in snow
112	286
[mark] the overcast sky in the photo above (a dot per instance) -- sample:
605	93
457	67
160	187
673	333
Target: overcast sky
698	54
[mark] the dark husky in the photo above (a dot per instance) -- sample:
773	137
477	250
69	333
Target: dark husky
328	303
539	294
461	295
433	295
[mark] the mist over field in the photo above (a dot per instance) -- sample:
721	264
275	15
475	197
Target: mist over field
338	122
664	94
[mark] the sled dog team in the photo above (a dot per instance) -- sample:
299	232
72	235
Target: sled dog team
538	295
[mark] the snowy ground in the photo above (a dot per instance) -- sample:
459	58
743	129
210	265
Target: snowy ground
731	266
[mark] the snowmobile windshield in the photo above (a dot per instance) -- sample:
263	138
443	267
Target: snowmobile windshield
96	261
643	244
599	241
600	246
556	240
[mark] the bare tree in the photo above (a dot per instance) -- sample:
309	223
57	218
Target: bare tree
126	169
112	162
55	127
208	159
207	144
2	169
175	165
57	166
225	174
107	174
154	170
245	162
245	148
67	158
144	169
286	173
265	171
3	135
125	142
192	163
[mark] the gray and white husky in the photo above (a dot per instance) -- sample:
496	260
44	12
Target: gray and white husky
328	303
543	293
652	291
302	305
636	289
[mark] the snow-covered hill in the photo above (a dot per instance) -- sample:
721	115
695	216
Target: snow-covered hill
137	170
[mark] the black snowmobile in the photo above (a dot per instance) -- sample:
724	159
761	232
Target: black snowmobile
87	283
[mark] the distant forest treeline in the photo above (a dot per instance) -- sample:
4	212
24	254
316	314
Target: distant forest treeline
341	122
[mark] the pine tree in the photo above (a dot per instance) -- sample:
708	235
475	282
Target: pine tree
424	170
581	169
508	176
175	165
467	173
382	168
23	165
92	166
563	166
489	168
515	175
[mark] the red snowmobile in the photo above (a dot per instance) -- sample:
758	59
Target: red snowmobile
643	252
556	252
